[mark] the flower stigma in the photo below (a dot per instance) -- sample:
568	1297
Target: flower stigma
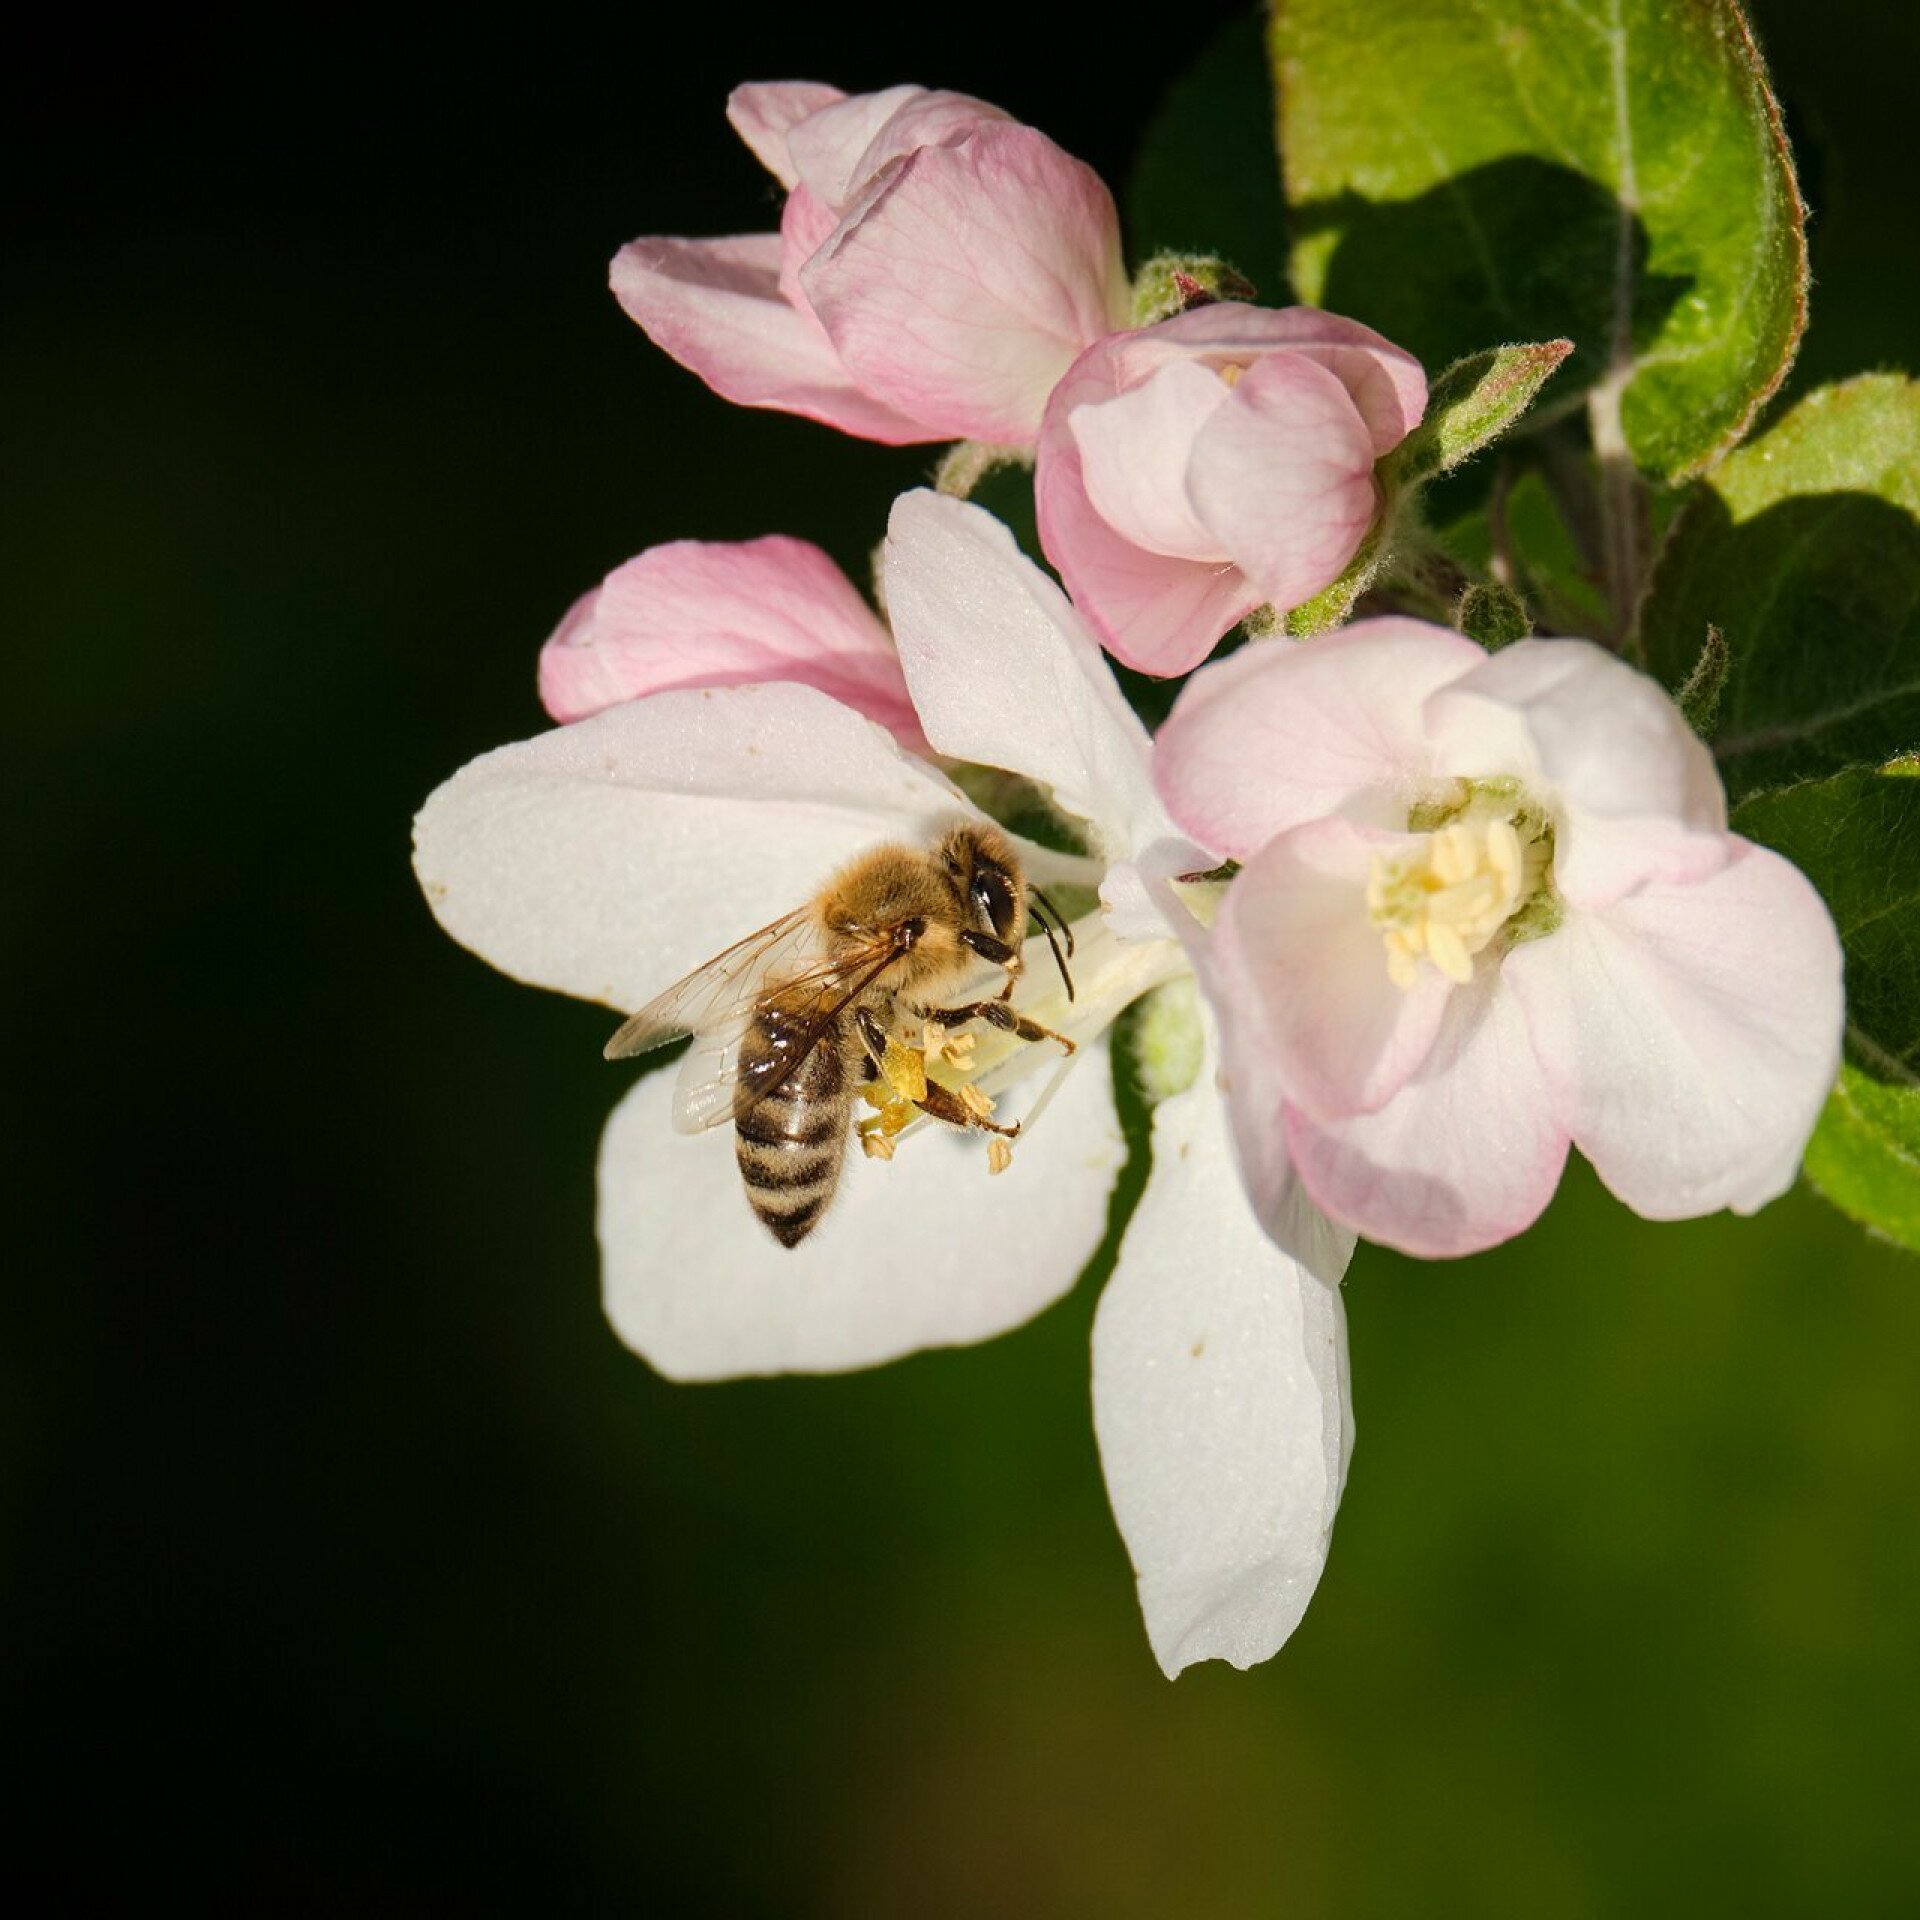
1483	867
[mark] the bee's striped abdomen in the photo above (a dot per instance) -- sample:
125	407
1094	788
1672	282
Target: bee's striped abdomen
790	1143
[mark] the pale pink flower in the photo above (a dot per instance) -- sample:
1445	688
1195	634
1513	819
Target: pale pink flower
699	613
1489	907
938	267
1217	462
606	858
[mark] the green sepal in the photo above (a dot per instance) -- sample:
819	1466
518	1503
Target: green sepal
1492	614
1470	405
1331	606
1172	283
967	463
1699	695
1169	1043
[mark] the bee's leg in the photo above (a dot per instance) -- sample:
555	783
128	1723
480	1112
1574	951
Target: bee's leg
988	948
996	1013
959	1111
873	1038
1002	955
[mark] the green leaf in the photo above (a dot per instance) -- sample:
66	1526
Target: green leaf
1865	1155
1470	404
1804	550
1207	179
1554	573
1857	838
1468	170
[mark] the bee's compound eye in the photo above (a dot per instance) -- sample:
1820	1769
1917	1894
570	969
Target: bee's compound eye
993	900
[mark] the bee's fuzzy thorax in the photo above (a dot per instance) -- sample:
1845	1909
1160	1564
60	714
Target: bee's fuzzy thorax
896	884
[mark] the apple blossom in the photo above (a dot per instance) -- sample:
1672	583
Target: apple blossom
938	267
699	613
610	856
1216	462
1490	907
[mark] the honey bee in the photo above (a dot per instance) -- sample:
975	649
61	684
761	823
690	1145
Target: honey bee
792	1022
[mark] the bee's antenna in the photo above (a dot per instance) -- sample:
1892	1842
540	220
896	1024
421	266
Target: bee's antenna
1035	902
1058	916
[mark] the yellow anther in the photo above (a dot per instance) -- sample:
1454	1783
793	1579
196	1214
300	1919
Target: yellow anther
1444	901
942	1043
999	1155
878	1145
976	1102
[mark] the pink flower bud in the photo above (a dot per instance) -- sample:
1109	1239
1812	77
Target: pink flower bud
1217	462
937	269
700	613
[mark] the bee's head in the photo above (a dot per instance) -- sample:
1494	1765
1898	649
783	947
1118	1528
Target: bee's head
980	864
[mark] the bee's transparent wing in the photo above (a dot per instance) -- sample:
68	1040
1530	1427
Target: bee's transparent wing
714	1084
705	1089
724	989
710	1088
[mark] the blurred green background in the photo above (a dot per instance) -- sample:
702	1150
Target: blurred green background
349	1561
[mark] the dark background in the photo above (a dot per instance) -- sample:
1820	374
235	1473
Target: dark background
348	1560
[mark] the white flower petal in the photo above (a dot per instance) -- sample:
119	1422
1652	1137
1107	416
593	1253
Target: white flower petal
1694	1031
1004	673
1466	1155
1256	1107
927	118
1221	1405
1634	785
1294	948
608	858
1133	899
925	1250
1285	731
1245	1071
